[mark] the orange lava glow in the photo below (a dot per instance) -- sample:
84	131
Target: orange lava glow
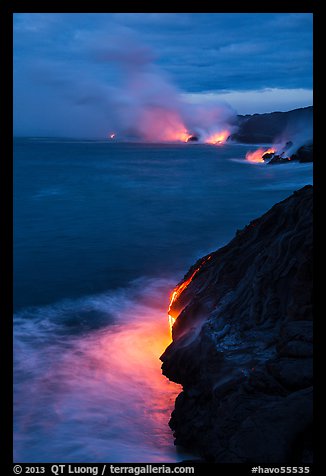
182	136
171	322
179	290
105	381
165	125
257	155
219	138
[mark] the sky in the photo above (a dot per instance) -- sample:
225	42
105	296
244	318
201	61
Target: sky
83	75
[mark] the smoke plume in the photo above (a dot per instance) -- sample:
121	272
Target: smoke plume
148	106
124	94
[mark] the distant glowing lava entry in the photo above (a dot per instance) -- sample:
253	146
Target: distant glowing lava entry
257	156
219	138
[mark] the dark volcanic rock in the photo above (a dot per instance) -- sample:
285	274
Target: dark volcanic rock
278	159
268	155
304	153
242	344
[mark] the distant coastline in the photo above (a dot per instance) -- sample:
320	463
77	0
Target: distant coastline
252	128
268	127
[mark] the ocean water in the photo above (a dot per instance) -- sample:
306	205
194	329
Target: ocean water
102	233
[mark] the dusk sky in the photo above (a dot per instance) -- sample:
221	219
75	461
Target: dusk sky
71	70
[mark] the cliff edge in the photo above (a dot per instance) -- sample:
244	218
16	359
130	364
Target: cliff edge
242	343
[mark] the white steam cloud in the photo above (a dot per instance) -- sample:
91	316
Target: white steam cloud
148	106
136	101
296	134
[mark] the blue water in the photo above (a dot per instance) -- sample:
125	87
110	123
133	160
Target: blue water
102	233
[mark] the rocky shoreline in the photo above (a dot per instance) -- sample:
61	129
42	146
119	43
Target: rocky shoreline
242	343
303	155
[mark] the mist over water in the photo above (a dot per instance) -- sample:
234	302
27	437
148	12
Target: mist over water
87	394
103	232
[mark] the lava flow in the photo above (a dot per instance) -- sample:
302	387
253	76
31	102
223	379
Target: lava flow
219	138
158	124
178	290
257	155
183	136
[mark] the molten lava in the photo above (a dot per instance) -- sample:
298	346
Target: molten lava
183	136
257	155
162	125
179	290
171	322
218	138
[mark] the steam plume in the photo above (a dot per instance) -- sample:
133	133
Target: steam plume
148	106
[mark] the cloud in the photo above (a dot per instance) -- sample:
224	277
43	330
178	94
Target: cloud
141	101
258	101
84	60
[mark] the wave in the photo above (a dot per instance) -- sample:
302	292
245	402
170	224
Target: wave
88	383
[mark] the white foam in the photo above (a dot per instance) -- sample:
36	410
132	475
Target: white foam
97	396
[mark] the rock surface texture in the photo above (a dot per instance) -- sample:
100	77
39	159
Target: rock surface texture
242	343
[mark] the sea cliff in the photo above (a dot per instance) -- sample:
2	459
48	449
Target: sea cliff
242	343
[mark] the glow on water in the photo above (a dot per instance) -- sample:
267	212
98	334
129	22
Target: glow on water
99	396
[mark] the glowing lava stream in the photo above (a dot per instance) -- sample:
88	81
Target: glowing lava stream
257	155
183	136
178	290
219	138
